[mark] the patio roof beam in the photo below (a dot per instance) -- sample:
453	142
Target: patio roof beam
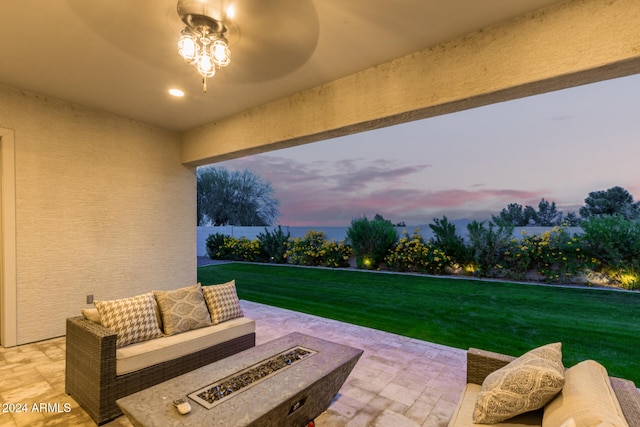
568	44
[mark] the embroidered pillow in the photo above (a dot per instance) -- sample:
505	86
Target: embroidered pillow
133	319
182	309
223	301
526	384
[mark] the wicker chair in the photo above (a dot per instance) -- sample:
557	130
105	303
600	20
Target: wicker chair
91	367
481	363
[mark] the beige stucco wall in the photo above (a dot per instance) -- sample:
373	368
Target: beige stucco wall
103	206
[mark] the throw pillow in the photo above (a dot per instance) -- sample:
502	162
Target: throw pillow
91	314
182	309
587	398
133	319
525	384
223	301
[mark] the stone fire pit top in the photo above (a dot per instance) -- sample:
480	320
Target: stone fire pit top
154	406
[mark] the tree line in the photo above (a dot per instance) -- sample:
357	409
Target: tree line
615	201
242	198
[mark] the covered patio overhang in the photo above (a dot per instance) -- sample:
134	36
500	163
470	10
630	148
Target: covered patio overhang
568	44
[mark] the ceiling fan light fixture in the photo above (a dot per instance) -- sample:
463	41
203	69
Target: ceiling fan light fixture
205	65
188	46
202	43
220	52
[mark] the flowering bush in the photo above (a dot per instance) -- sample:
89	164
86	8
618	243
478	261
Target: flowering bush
608	250
307	250
220	246
216	248
336	254
244	249
554	255
516	259
413	254
560	256
314	249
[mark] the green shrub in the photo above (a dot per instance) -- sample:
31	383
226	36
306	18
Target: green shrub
627	276
413	254
446	239
216	248
274	244
560	257
371	240
516	259
487	245
613	242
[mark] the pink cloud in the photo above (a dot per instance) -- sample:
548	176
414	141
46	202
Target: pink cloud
333	193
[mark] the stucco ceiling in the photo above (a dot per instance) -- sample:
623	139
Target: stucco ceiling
120	56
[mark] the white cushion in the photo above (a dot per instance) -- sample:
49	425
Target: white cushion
141	355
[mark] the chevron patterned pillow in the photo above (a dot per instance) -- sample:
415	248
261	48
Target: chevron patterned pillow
133	319
222	301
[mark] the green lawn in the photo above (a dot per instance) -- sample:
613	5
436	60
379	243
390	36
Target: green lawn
509	318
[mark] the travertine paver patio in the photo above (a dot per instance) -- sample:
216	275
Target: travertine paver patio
398	382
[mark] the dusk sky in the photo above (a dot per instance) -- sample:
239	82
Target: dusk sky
559	146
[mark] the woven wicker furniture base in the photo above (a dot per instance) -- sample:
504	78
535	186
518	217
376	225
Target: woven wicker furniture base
90	377
291	397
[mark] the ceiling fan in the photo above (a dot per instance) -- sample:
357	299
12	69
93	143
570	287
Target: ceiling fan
264	40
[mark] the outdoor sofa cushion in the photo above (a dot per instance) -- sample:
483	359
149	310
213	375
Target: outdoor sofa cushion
587	397
148	353
463	415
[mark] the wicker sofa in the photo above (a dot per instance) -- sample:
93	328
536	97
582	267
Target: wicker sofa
97	373
481	363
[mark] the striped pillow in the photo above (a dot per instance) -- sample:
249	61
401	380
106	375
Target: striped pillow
133	319
222	301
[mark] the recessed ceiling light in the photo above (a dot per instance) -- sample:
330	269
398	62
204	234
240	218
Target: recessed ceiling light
176	92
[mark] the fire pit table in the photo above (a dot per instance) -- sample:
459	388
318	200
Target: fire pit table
285	382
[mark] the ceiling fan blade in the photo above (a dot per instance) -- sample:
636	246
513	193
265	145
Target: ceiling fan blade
268	39
275	38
